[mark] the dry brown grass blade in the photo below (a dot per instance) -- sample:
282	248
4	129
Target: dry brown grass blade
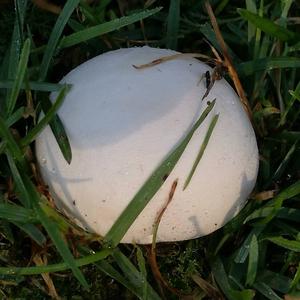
152	257
39	261
228	61
171	57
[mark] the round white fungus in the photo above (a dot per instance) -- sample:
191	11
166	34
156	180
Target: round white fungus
123	122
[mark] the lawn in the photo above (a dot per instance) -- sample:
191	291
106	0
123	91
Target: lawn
44	255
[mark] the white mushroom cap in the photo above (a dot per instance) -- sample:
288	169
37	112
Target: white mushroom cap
123	122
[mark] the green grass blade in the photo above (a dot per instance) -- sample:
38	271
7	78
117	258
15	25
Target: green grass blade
142	267
55	267
267	64
20	73
289	105
92	32
243	251
150	187
173	24
58	131
296	278
265	290
202	149
53	231
289	192
253	261
34	86
17	213
11	144
33	232
46	119
269	27
292	245
15	117
21	188
134	276
222	280
55	36
276	281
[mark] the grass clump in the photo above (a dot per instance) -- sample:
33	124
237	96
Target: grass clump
255	255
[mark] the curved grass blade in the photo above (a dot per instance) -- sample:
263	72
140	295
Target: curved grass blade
46	119
151	186
267	64
55	267
253	261
135	277
33	232
269	27
173	24
222	280
55	35
58	131
53	231
92	32
277	202
20	73
21	188
17	213
11	144
292	245
265	290
202	149
15	117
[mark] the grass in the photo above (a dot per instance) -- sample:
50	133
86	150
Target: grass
254	255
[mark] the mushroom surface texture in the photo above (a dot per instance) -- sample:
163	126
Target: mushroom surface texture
123	122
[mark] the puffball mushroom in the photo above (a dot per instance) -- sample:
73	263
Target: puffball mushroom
122	123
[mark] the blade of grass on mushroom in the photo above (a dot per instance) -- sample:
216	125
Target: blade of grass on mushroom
150	187
31	135
97	30
173	24
20	73
202	149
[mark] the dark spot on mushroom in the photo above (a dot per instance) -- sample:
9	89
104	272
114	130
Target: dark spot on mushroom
74	203
190	64
216	224
85	215
165	177
103	200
